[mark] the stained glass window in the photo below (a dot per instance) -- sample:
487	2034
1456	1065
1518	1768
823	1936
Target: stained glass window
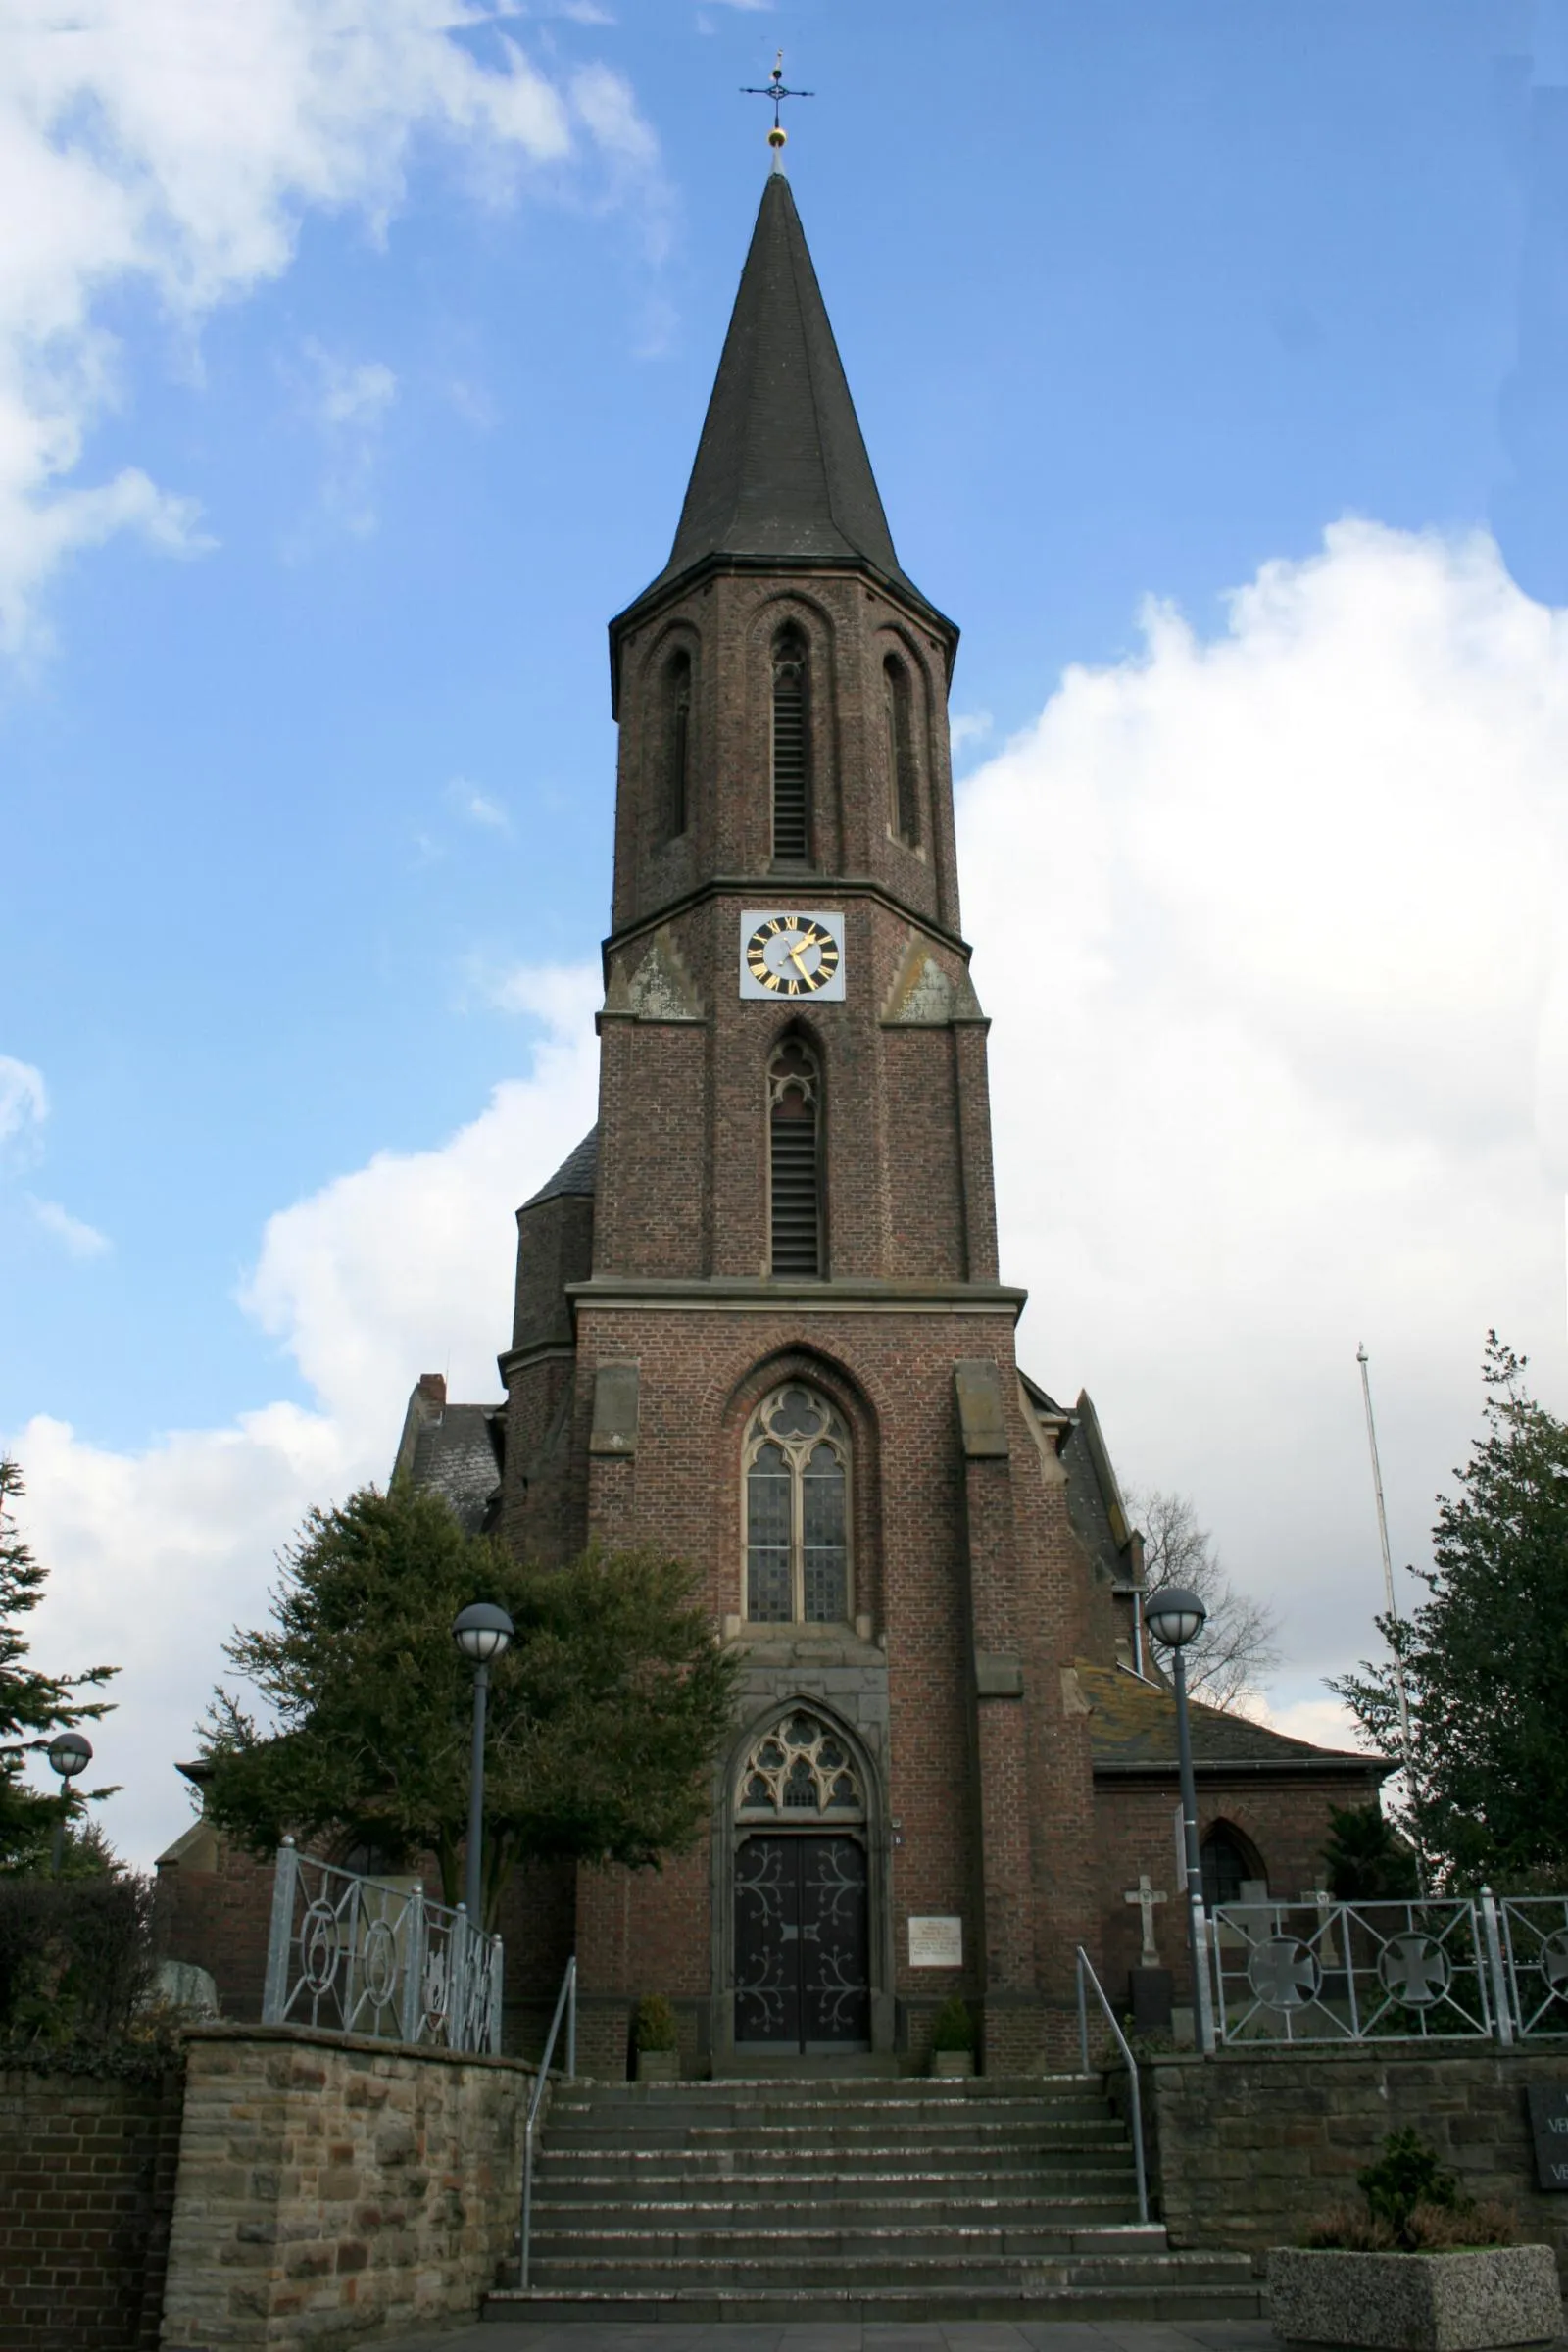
797	1512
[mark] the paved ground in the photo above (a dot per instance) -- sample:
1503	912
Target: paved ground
884	2336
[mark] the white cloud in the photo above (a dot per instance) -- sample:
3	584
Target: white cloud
585	11
476	805
176	146
1273	933
401	1267
354	396
968	727
347	401
24	1103
74	1235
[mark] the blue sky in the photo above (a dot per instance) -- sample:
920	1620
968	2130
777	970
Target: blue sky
307	769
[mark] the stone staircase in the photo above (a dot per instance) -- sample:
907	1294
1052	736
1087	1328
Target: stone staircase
811	2200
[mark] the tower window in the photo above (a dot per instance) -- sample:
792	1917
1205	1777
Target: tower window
902	776
677	734
797	1463
794	1178
792	758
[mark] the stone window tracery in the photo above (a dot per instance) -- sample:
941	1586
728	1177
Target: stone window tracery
797	1487
800	1768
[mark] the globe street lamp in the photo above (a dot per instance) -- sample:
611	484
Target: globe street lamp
69	1755
481	1632
1175	1617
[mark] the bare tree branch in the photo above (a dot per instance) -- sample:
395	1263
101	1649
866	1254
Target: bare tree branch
1238	1648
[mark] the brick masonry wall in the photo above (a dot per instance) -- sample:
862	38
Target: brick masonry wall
87	2167
332	2189
1286	1822
1250	2148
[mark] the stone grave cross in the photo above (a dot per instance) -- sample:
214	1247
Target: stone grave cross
1146	1895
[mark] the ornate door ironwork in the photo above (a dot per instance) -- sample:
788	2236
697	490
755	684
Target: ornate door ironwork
801	1946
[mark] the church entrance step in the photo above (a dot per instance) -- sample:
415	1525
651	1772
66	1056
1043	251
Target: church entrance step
765	2201
1182	2306
790	2205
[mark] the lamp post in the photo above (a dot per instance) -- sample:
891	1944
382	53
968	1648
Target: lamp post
1174	1617
69	1755
481	1632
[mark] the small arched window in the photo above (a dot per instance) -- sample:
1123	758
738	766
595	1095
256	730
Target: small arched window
902	775
794	1153
1229	1863
792	748
676	730
797	1479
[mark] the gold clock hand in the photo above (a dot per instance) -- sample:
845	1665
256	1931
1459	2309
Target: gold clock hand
795	959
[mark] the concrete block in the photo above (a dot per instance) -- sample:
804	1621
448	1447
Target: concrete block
1462	2302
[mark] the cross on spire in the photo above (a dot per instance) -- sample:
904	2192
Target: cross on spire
778	90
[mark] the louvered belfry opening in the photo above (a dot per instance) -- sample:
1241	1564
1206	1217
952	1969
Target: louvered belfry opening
792	751
677	741
794	1091
906	809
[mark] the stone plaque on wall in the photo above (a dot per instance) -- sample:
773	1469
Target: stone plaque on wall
1548	2123
936	1944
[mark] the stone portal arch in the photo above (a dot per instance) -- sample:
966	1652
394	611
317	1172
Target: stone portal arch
802	1942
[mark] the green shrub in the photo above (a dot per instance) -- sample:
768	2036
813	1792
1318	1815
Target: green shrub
76	1958
1412	2206
954	2028
656	2023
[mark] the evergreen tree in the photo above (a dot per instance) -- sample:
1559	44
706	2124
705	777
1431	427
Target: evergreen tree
34	1706
604	1714
1485	1658
1366	1859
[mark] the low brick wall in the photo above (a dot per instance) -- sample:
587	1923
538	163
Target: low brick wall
88	2166
331	2188
1250	2148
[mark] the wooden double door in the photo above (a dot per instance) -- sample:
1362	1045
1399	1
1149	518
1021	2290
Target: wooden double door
801	1943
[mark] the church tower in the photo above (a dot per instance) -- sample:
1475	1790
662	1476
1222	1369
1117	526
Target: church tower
759	1314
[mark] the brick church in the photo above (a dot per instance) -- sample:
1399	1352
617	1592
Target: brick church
760	1320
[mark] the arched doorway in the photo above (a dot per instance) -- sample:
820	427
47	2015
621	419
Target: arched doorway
802	1890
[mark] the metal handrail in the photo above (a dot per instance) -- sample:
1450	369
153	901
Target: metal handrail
1086	1967
566	2000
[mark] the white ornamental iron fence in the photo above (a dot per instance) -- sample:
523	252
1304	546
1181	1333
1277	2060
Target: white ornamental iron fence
348	1954
1436	1969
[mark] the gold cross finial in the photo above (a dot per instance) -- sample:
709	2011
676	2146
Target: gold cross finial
777	90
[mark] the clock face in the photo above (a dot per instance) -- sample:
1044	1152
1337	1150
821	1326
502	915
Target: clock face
786	952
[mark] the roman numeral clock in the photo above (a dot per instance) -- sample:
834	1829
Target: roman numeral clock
786	952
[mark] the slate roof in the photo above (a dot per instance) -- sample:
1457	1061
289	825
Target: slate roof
459	1455
1133	1728
781	468
577	1173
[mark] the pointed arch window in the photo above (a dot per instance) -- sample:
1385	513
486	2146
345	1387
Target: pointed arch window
1229	1862
792	748
904	780
797	1482
795	1159
676	729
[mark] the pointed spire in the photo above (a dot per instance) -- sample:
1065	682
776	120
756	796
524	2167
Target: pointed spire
781	468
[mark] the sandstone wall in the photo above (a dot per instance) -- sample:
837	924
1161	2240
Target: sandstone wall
330	2188
86	2190
1250	2147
